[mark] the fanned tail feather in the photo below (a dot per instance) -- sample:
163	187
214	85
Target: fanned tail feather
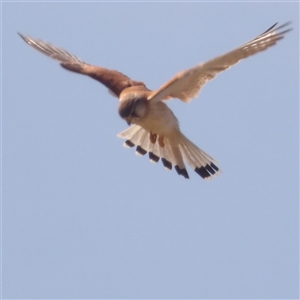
201	162
175	152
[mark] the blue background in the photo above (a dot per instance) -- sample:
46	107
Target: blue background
83	217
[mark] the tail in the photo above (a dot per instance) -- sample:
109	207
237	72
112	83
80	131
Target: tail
175	151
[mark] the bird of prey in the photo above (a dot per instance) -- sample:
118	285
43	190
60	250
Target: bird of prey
155	128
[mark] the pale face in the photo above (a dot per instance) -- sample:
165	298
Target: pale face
131	108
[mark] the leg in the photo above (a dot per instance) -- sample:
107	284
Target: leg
161	141
153	137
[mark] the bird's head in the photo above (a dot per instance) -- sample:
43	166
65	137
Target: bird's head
132	107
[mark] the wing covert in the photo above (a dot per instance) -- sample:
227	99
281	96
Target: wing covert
187	84
113	80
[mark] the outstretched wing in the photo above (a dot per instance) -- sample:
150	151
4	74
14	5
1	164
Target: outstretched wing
115	81
187	84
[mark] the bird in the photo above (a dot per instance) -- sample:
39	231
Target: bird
154	127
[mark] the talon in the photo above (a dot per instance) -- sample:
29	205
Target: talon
153	137
161	141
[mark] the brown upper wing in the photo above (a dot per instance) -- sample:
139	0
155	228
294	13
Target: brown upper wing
187	84
113	80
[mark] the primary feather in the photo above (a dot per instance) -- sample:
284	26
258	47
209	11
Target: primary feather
187	84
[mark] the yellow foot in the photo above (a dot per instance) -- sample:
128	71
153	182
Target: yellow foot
161	141
153	137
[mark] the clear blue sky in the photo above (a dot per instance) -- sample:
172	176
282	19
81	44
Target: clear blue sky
84	217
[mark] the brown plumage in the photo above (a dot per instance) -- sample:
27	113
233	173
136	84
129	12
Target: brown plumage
156	128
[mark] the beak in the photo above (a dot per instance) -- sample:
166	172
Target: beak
128	122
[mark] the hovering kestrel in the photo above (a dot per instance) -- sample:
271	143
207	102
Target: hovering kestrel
156	129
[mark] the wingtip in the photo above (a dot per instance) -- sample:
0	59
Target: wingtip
24	37
21	35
